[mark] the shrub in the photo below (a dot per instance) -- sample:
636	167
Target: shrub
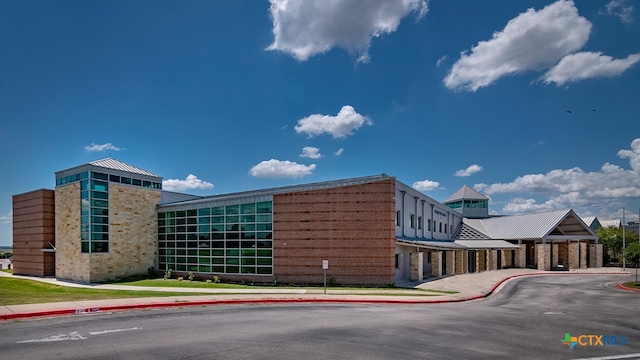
216	279
167	274
180	278
190	275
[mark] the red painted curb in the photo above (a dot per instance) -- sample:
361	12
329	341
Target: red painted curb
45	313
627	288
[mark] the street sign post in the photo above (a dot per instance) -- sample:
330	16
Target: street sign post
325	266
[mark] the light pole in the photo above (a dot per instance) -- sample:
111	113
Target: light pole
624	244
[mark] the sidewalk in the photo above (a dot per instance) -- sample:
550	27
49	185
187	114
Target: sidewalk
467	287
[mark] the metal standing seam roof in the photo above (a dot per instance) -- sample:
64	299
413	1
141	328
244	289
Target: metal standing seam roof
607	223
286	189
113	164
531	226
466	193
467	232
486	244
588	220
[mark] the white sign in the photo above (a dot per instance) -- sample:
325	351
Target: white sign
325	264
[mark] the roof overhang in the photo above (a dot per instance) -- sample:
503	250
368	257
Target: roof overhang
434	245
486	244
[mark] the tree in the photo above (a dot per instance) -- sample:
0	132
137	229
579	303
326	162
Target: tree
611	239
632	255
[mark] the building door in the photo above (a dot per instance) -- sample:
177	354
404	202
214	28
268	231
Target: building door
471	254
499	261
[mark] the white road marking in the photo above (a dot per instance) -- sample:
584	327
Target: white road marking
62	337
74	335
612	357
112	331
553	313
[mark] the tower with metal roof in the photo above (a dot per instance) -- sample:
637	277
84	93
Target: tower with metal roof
469	202
105	224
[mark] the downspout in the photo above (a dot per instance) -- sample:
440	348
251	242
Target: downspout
415	217
433	224
404	193
423	217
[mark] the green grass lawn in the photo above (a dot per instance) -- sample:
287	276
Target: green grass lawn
20	291
632	284
201	284
183	284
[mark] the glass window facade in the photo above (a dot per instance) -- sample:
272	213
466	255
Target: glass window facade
229	239
112	178
94	213
473	204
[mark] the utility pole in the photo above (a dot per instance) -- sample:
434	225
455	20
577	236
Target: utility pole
624	243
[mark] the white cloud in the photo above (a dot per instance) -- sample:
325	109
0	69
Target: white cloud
7	219
103	147
587	65
310	27
281	169
472	169
533	40
311	152
620	9
441	60
339	126
633	155
191	182
425	185
339	152
573	187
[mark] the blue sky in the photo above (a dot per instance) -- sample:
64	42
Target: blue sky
226	96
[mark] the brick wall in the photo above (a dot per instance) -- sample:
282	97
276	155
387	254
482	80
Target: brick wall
353	227
33	230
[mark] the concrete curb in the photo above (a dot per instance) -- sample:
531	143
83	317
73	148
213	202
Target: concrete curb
494	289
627	288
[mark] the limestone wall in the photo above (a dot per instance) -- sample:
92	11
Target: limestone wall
544	256
71	264
132	233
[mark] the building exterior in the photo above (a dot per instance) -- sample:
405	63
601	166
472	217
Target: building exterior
105	223
34	233
113	220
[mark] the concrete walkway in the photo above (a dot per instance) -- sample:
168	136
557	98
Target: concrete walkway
465	287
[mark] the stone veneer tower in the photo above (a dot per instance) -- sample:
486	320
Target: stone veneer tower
106	221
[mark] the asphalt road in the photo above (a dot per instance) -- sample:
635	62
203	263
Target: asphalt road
527	319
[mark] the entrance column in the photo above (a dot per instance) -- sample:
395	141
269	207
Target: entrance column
451	262
417	262
436	263
574	255
521	256
544	256
492	260
583	254
461	261
595	255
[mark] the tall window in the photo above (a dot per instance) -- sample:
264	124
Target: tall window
398	218
94	213
412	221
419	222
